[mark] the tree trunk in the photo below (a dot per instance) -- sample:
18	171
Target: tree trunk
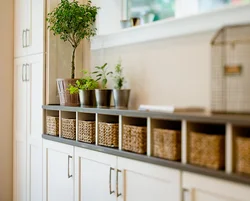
73	64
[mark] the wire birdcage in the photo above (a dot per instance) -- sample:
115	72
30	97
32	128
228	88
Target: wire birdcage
231	70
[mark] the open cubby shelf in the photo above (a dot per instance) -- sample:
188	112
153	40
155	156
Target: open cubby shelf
227	127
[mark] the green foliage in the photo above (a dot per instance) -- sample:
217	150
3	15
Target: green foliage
118	76
86	83
73	89
102	74
73	22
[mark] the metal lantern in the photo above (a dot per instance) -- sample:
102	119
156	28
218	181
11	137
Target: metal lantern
231	70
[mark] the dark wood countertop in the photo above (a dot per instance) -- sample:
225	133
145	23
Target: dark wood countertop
204	117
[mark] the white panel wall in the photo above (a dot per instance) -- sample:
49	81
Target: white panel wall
173	71
109	16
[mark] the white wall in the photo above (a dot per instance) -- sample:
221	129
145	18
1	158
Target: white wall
6	85
173	71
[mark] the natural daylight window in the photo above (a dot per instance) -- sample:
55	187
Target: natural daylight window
153	10
207	5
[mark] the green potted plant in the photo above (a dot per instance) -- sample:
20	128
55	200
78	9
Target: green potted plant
73	22
121	96
103	95
85	87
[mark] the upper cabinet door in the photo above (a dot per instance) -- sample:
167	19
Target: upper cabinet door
29	27
20	27
202	188
35	26
96	176
142	181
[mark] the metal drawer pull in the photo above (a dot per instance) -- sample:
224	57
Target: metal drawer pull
69	175
23	77
117	183
26	72
110	172
27	38
187	194
23	38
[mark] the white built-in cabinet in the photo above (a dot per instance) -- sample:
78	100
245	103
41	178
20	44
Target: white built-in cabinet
29	71
142	181
58	172
77	174
29	27
202	188
95	176
103	177
28	126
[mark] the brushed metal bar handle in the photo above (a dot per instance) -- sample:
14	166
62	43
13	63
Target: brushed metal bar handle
110	176
23	77
23	38
26	72
69	175
186	197
27	38
117	183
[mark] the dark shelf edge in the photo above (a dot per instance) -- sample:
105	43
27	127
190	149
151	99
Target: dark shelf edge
241	120
156	161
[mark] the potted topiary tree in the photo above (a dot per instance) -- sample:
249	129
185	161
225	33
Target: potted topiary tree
85	87
103	95
121	96
73	22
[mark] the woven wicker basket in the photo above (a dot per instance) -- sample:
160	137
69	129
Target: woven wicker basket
207	150
69	128
134	138
86	131
167	144
52	125
243	155
108	134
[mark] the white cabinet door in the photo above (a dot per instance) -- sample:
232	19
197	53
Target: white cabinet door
35	26
35	96
20	100
20	129
35	99
29	27
58	172
142	181
20	25
20	169
95	179
202	188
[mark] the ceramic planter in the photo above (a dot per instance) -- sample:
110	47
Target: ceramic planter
125	24
67	99
87	97
103	97
121	98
